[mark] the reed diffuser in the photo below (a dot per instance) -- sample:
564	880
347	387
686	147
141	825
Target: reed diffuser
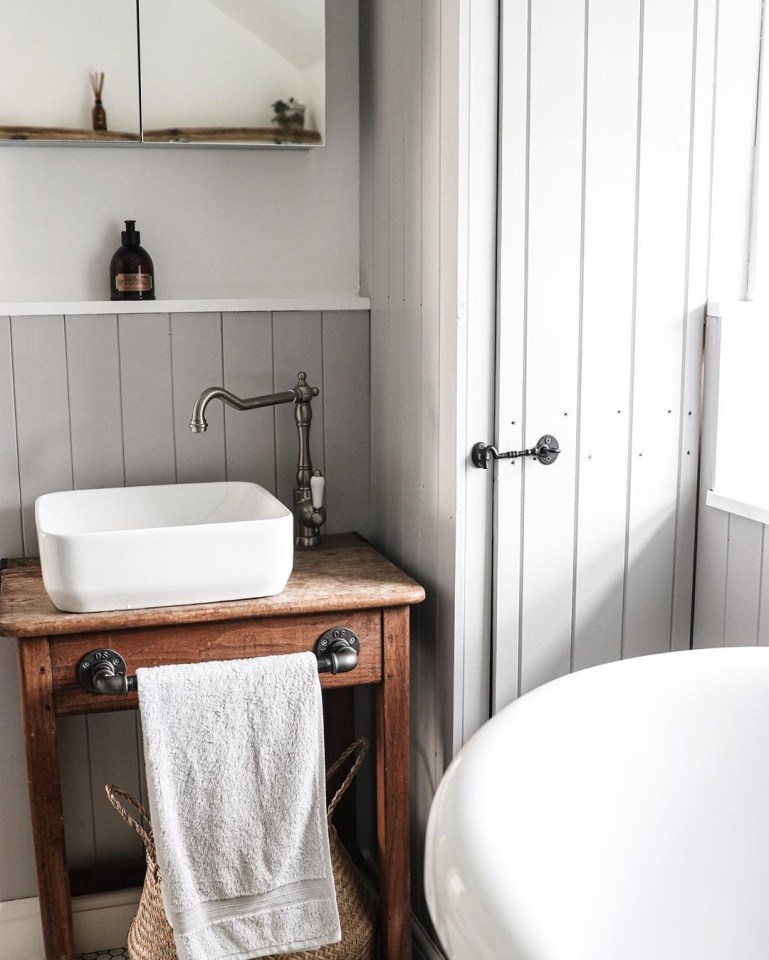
98	114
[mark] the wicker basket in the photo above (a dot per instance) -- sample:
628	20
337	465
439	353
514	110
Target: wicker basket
150	937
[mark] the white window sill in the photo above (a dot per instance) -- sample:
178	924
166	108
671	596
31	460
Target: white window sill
750	507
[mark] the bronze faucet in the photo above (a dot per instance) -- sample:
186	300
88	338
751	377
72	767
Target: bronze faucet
309	512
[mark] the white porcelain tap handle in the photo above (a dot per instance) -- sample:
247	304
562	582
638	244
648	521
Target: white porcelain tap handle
317	484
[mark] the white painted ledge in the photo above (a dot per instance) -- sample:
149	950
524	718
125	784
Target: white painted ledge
751	507
250	305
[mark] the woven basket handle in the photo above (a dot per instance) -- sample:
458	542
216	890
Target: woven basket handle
113	793
359	748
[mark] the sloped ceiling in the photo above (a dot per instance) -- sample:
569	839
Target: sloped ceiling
294	28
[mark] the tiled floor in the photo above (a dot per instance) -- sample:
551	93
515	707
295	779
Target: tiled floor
118	953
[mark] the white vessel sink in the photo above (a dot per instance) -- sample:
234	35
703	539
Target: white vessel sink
128	547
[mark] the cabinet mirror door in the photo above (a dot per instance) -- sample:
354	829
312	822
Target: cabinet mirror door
211	71
55	58
232	71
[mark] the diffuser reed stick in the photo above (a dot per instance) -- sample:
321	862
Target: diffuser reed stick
98	114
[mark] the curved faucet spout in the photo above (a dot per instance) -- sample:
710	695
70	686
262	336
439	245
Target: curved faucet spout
308	505
199	424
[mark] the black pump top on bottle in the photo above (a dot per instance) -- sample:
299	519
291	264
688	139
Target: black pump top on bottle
130	236
131	273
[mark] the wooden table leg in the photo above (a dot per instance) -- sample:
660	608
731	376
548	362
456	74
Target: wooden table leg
45	796
393	787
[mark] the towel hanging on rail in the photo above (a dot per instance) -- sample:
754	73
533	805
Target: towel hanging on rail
235	770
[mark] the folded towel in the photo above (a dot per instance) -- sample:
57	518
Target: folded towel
236	784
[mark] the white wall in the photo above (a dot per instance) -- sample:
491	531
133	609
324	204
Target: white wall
105	400
217	222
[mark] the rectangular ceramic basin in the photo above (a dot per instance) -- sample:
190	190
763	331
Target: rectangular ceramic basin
127	547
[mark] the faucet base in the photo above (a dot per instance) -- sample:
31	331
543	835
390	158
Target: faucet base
307	541
308	519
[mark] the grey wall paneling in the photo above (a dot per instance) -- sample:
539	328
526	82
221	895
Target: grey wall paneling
96	422
196	351
16	866
77	789
10	496
247	344
42	413
102	400
346	420
147	398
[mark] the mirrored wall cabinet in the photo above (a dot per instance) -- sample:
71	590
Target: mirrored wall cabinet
246	72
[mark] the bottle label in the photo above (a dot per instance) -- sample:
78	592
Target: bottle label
131	282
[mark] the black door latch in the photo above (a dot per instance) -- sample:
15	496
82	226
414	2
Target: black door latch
546	451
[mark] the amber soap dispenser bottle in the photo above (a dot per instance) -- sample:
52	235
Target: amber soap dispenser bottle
131	274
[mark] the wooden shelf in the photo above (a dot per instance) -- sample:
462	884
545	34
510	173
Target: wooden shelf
212	135
274	135
65	133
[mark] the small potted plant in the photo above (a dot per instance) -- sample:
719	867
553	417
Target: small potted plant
289	114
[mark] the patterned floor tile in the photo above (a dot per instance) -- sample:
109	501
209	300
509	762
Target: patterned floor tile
116	953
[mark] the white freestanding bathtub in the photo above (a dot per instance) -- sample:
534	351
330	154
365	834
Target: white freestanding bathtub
620	813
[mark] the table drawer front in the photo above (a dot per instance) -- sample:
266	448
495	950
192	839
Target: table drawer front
224	640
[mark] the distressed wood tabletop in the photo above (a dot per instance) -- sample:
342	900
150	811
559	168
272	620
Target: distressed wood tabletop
344	573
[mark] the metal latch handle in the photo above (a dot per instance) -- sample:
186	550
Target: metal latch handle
546	451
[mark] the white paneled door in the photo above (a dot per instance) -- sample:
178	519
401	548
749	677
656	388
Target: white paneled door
605	152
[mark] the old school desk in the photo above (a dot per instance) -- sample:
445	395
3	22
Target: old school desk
342	583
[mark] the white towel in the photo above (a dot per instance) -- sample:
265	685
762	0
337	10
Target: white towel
236	783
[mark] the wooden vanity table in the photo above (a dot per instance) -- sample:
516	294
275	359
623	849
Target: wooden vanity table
342	583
